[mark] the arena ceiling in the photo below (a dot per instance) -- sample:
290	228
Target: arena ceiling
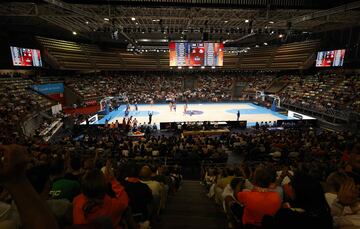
155	22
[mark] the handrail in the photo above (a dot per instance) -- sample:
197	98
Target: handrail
343	115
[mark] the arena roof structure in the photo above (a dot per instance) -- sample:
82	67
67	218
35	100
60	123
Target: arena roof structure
153	22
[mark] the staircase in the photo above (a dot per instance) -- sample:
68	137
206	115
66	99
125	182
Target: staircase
190	208
276	86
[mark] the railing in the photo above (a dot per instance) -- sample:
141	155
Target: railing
216	3
342	115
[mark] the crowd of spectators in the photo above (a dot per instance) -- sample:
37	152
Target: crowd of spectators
145	88
72	192
293	178
99	178
17	103
112	142
323	92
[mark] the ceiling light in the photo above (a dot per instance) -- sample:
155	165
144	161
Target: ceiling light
87	22
74	33
226	21
191	67
246	20
202	67
106	19
213	67
133	19
271	22
136	23
265	43
257	46
179	67
281	35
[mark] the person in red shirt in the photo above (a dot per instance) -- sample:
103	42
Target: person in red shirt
93	203
261	200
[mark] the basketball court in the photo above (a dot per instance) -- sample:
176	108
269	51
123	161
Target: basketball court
197	112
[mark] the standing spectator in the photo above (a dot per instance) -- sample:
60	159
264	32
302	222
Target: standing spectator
140	194
94	202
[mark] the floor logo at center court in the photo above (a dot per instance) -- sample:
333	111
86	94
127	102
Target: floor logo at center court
194	112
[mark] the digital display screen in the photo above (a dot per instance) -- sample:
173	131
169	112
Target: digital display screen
333	58
196	54
25	57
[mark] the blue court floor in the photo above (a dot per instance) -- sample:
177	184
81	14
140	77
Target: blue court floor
197	112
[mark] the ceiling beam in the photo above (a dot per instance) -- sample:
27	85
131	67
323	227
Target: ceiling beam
323	13
84	13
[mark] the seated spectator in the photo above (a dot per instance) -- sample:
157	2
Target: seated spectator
342	197
146	178
74	172
94	202
62	188
232	207
308	209
354	163
40	180
236	185
261	200
156	189
227	177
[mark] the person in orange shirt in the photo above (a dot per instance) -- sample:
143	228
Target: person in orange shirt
93	203
261	200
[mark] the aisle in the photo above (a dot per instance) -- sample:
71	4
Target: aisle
191	209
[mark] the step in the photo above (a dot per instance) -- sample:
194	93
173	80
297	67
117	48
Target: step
191	208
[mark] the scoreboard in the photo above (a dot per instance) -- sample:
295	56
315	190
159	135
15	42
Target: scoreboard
25	57
196	54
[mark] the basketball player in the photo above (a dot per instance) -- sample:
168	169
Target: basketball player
174	106
171	105
136	107
185	108
238	115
